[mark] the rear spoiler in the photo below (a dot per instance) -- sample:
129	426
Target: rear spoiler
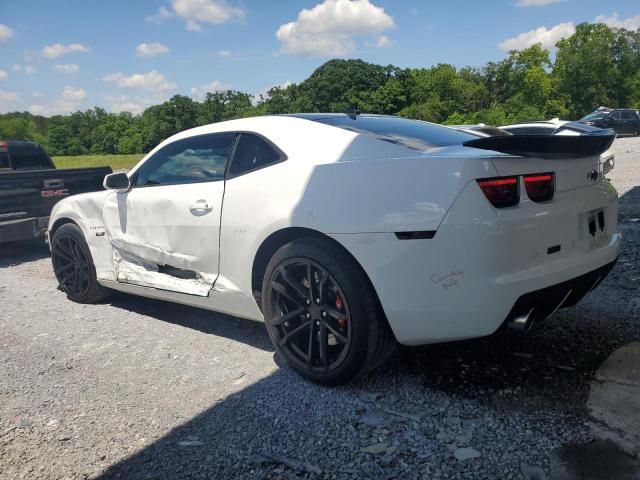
547	146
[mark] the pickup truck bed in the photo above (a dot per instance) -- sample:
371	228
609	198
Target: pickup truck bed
27	197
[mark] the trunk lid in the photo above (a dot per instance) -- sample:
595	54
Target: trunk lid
570	173
575	160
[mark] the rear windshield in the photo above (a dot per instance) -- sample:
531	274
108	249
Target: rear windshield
414	134
29	158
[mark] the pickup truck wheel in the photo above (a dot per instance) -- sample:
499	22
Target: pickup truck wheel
322	313
73	266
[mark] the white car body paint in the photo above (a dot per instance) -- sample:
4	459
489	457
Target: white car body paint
357	190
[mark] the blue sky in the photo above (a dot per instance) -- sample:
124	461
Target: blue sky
56	57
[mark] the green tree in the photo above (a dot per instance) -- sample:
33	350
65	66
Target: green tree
338	84
59	138
594	66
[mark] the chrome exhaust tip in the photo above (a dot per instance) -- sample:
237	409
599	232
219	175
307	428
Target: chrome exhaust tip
522	323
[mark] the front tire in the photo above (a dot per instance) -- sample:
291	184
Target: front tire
322	313
73	266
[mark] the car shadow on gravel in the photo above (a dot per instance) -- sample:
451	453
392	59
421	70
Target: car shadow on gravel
16	253
212	323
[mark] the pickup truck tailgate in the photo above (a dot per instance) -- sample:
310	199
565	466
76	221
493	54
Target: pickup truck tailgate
34	193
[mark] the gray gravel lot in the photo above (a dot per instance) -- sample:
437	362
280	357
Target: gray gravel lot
137	388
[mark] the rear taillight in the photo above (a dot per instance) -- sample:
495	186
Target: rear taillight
501	192
539	187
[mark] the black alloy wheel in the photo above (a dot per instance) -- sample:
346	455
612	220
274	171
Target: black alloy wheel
322	314
313	322
73	265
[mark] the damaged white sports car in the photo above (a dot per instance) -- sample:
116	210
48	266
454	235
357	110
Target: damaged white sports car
348	233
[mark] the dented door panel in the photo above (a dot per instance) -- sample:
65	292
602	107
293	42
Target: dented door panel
156	227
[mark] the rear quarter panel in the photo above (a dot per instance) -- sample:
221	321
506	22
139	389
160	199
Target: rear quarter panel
373	186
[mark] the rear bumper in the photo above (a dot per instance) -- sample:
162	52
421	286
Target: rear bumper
23	229
465	281
538	305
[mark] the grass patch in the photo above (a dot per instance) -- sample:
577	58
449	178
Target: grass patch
116	162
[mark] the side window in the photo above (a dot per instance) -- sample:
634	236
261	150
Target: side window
191	160
252	153
616	115
627	115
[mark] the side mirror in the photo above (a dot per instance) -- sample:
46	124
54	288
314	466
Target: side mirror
118	182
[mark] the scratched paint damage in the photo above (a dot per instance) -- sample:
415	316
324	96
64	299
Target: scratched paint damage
139	264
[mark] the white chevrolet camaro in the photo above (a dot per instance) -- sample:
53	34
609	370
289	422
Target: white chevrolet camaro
348	233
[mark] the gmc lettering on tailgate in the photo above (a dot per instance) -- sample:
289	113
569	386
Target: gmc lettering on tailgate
62	192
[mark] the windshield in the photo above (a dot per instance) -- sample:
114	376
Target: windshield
595	116
414	134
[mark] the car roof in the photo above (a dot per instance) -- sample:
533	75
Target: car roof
323	116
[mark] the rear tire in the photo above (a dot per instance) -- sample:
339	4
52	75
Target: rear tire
73	266
322	313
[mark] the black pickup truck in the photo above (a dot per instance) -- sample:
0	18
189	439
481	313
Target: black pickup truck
30	186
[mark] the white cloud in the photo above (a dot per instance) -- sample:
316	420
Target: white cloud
383	42
28	69
151	49
152	81
7	100
38	110
69	68
224	53
536	3
58	49
133	104
631	23
74	94
5	33
3	75
197	12
328	28
548	37
123	103
199	93
70	101
160	16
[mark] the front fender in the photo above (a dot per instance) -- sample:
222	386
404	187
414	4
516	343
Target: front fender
85	210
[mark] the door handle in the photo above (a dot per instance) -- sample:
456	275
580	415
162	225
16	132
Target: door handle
201	206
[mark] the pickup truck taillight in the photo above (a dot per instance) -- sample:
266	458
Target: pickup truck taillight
539	187
501	192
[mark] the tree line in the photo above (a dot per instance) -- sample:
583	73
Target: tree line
596	66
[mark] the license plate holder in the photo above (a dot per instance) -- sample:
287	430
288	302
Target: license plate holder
595	227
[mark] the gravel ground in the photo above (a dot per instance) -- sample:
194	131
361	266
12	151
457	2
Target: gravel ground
143	389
